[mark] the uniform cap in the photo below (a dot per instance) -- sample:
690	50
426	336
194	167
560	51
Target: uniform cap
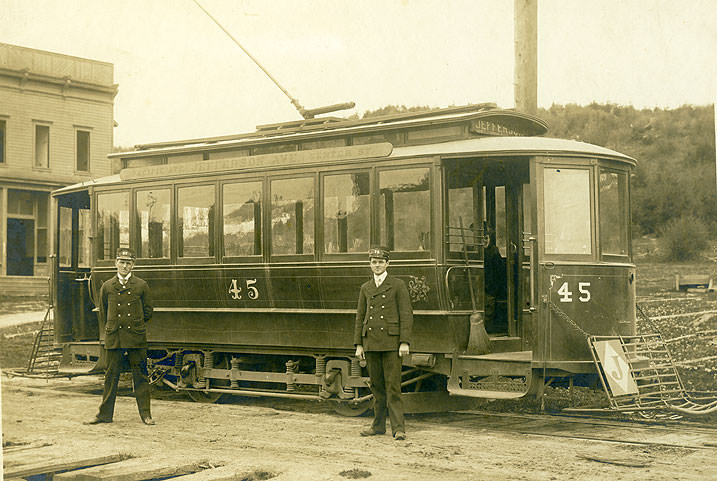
126	254
378	252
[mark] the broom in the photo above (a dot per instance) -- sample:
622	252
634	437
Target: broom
478	340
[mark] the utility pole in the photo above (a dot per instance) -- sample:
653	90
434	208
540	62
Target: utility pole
526	55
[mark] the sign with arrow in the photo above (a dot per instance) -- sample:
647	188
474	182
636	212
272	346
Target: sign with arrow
615	366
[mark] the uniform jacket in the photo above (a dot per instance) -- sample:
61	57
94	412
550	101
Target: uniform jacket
125	310
384	316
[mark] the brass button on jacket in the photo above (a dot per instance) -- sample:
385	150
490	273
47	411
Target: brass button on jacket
133	312
393	326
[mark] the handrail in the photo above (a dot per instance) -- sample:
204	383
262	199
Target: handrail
531	240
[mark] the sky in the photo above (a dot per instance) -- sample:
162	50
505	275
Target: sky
180	76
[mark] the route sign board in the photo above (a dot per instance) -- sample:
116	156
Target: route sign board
615	366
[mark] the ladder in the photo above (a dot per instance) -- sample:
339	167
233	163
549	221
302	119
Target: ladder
45	357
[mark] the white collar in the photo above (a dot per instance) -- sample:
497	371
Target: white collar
124	280
379	279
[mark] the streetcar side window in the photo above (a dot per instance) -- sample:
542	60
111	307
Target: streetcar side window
195	221
567	211
613	213
465	201
346	213
292	216
153	210
242	218
405	209
112	224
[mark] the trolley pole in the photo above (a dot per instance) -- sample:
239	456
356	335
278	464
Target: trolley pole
526	55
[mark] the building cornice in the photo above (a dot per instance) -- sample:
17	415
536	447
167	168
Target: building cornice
66	83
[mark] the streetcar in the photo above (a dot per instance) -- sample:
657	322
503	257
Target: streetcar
255	245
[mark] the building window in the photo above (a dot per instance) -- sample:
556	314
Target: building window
2	141
42	146
195	219
242	219
42	216
346	213
292	216
83	151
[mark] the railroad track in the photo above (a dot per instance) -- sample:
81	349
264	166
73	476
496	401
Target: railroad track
679	434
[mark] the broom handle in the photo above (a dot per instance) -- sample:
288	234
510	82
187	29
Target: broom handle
468	268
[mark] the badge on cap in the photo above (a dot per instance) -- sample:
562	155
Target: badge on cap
378	252
125	254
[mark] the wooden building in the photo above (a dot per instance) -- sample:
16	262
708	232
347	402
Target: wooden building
56	129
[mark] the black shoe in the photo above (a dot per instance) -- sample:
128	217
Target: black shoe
97	420
399	436
371	432
148	420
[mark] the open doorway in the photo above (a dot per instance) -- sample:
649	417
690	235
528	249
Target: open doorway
20	247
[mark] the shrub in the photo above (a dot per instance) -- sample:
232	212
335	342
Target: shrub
683	238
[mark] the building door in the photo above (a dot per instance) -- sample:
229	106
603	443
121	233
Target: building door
20	247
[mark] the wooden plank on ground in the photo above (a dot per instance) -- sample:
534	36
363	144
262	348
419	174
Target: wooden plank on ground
136	469
45	467
223	473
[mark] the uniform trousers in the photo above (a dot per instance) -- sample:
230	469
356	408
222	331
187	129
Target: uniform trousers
384	369
140	378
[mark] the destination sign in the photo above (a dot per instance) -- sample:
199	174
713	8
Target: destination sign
491	128
301	157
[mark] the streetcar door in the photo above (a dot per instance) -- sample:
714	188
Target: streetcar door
74	316
506	262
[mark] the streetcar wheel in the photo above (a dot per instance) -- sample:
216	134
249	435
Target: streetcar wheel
204	397
349	409
211	397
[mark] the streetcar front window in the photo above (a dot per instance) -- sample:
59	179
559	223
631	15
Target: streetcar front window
405	209
64	256
112	224
346	213
567	211
613	213
83	238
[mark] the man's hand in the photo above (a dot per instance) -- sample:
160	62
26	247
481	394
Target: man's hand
403	349
359	352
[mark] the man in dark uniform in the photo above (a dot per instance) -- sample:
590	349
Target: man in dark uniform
125	305
382	334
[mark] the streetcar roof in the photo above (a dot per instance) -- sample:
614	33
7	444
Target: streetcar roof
325	126
477	147
507	146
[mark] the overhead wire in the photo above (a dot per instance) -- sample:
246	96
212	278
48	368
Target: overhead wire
293	100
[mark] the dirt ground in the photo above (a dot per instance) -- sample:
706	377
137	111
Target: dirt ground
301	440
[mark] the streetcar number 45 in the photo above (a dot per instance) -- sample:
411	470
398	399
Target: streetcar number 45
566	295
251	291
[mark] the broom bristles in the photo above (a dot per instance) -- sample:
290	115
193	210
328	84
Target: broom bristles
478	340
